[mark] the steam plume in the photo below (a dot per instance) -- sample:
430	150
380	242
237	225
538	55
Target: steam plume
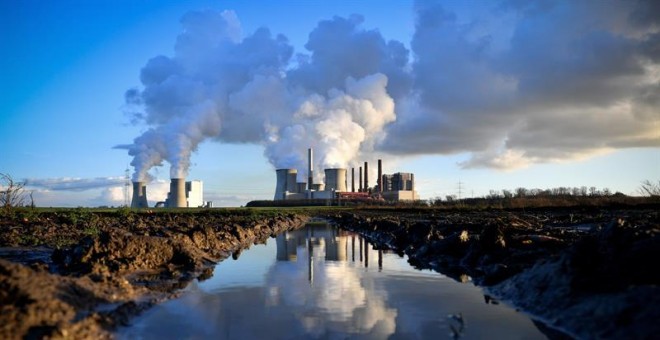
478	85
222	87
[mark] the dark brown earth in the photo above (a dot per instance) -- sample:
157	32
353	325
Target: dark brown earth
81	274
590	273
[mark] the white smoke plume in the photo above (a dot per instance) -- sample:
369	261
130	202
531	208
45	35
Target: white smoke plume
517	83
222	87
339	127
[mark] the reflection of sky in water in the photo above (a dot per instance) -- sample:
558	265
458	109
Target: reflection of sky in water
318	282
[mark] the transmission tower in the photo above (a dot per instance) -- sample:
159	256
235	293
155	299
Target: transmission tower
460	190
127	185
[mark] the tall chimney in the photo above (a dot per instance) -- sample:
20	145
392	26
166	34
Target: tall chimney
366	176
139	195
177	198
310	169
360	190
379	180
352	179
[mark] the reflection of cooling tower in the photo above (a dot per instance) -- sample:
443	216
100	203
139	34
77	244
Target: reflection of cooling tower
139	195
335	179
177	196
335	249
284	176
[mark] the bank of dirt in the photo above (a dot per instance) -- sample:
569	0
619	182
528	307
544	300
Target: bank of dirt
590	273
81	274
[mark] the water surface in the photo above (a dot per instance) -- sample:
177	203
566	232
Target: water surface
321	282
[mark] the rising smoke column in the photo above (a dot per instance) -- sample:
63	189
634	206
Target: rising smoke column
185	98
223	88
482	86
338	127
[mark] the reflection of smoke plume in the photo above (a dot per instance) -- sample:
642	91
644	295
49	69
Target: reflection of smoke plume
219	86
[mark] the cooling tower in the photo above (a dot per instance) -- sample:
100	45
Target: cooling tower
301	187
291	181
139	195
177	195
284	176
318	187
335	179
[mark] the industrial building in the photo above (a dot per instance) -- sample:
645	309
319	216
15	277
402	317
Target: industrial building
396	187
182	194
399	186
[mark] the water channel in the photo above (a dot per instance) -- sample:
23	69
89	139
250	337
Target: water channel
321	282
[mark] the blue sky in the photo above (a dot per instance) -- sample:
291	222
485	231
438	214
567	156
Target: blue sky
480	99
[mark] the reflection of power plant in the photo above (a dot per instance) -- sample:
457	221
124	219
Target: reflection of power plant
322	235
334	243
396	187
182	194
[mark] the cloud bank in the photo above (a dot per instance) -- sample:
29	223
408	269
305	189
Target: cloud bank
511	84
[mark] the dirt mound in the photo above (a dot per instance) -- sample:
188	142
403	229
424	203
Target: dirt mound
588	273
128	263
608	276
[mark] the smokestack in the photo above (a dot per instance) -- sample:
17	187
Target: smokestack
380	176
366	176
310	168
177	197
352	179
139	195
360	190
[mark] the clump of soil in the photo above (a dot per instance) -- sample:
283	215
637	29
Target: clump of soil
106	267
589	273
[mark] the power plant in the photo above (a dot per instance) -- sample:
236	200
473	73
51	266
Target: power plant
399	186
395	187
182	194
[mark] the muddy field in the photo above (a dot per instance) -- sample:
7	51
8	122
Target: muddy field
588	272
80	274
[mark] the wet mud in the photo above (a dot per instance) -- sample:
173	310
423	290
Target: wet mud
583	273
588	273
82	276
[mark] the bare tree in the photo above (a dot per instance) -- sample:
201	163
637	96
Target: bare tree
12	193
649	188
